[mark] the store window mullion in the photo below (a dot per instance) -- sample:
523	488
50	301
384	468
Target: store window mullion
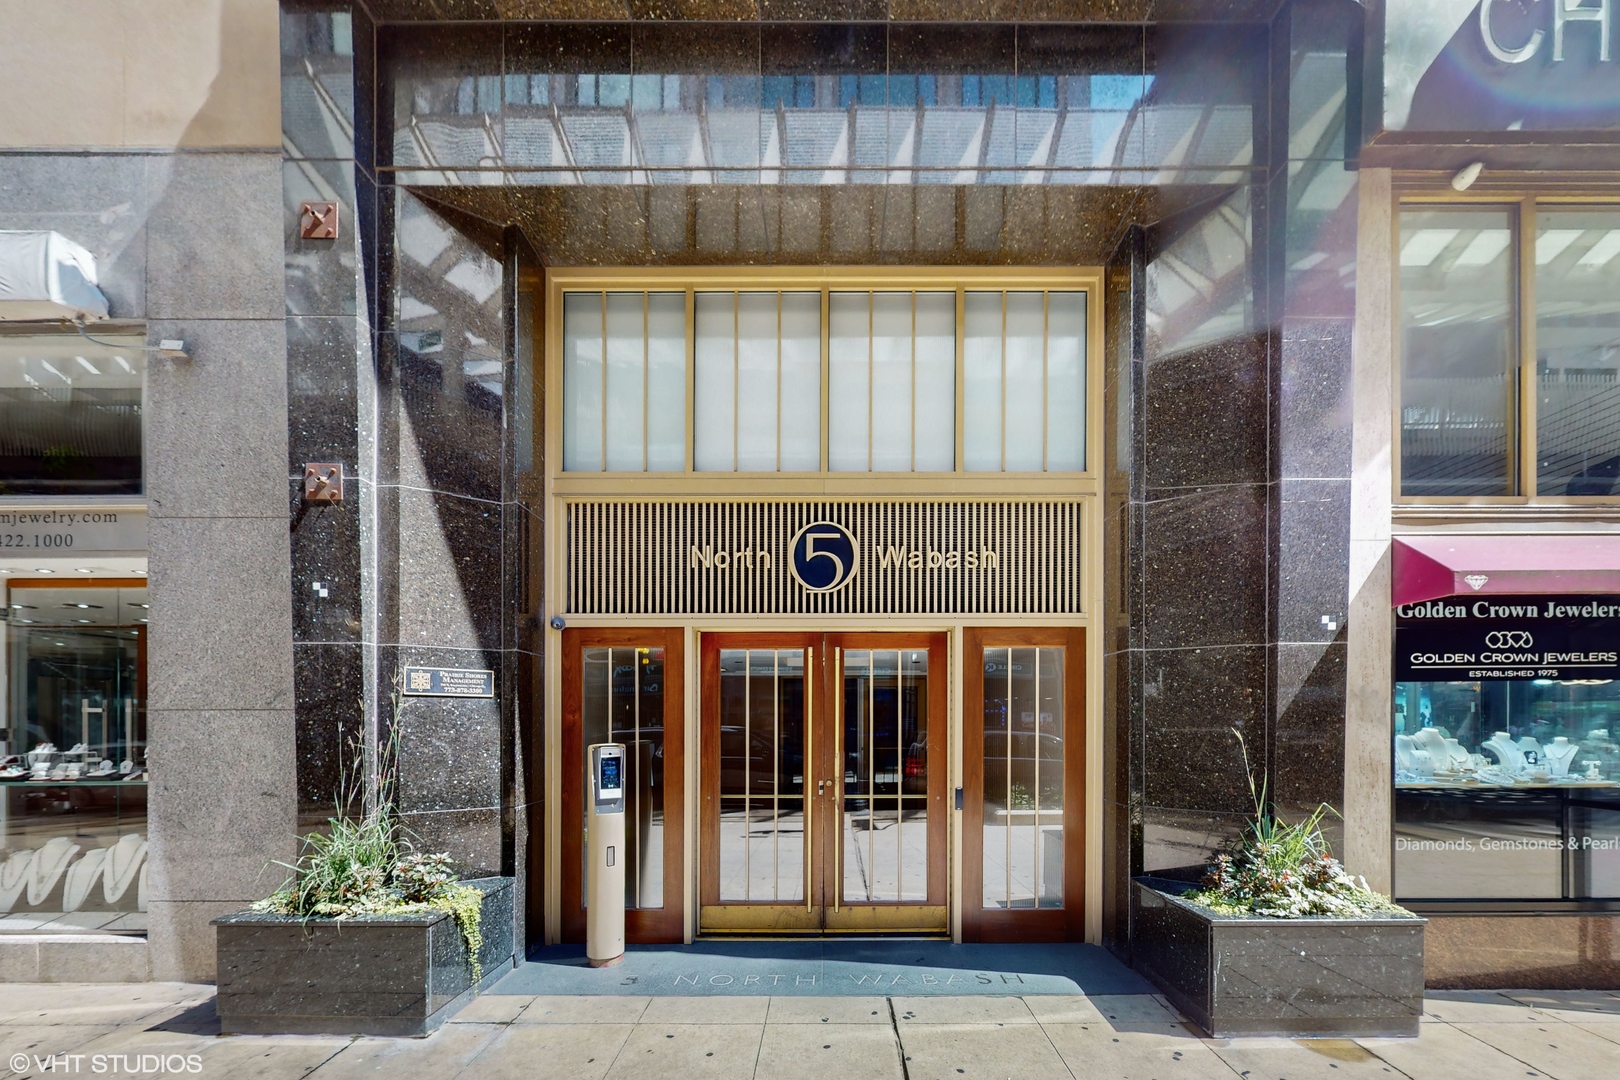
1527	384
691	377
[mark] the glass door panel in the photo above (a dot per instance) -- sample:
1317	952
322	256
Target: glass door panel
823	809
885	782
1022	868
624	686
761	837
624	703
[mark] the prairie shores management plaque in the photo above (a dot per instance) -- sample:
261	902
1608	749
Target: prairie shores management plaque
447	682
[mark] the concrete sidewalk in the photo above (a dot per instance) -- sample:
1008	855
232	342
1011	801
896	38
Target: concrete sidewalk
119	1030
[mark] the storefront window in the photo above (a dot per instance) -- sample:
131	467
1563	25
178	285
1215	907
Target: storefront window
73	756
1472	422
1458	355
1507	769
1577	351
70	415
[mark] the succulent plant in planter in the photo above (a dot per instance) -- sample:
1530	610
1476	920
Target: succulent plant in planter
1285	870
368	866
368	934
1279	939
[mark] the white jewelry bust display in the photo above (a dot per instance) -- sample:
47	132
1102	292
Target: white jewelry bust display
49	863
124	860
1459	753
1409	758
1559	754
1430	740
81	878
1508	755
13	876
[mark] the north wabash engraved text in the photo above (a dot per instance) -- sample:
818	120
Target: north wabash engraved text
679	558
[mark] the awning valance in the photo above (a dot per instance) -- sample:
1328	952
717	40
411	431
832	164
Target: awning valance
1429	567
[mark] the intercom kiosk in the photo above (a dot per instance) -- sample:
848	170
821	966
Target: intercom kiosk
604	869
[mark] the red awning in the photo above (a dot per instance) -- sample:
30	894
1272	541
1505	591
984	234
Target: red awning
1429	567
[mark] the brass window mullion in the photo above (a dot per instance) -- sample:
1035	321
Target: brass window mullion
691	377
1002	359
960	449
871	377
736	380
779	380
1529	373
826	377
1046	392
604	296
646	377
914	380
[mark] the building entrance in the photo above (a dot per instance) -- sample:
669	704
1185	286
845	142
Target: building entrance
822	780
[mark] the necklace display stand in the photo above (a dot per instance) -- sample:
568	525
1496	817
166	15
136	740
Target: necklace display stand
1508	755
124	860
13	876
50	862
1459	754
1559	754
81	878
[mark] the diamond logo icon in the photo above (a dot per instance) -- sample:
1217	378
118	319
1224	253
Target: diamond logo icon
1476	581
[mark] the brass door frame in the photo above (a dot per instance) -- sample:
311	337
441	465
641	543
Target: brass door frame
824	909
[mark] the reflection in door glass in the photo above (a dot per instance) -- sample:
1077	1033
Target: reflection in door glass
1023	778
761	775
885	783
624	703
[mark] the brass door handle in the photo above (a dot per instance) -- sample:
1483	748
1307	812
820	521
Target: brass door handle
821	786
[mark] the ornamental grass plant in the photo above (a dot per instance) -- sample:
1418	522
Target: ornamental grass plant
366	862
1285	870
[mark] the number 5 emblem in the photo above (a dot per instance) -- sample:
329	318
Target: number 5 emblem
823	556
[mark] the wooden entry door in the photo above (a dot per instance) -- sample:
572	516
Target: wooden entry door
823	783
625	686
1023	773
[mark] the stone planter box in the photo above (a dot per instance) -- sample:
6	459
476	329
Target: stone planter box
1295	977
371	975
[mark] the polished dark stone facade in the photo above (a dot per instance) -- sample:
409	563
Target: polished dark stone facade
1229	298
423	561
1345	978
370	975
1227	511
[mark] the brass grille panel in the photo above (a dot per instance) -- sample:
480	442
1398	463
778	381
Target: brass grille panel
636	558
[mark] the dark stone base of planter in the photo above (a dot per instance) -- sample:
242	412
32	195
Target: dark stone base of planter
393	975
1295	977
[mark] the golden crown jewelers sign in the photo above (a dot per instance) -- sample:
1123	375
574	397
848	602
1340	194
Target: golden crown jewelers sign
811	557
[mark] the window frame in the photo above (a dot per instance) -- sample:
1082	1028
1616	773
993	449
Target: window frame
1522	205
692	280
135	330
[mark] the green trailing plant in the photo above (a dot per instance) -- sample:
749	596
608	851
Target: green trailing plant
366	862
1283	869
